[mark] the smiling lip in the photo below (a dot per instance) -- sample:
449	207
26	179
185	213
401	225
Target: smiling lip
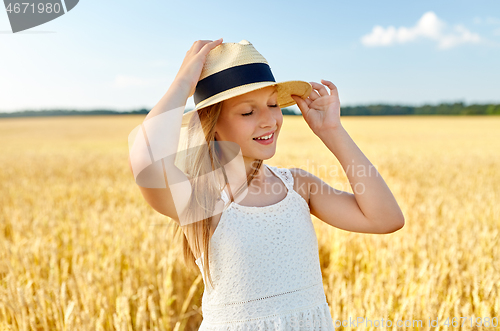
266	142
265	134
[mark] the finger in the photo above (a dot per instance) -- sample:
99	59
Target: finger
313	96
301	103
209	46
331	86
200	45
202	42
320	88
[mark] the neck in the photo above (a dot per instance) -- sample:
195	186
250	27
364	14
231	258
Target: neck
250	166
239	169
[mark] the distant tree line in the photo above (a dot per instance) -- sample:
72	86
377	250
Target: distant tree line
457	108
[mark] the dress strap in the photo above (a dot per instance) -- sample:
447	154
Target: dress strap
284	174
224	197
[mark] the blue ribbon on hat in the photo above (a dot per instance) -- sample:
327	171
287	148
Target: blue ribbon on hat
230	78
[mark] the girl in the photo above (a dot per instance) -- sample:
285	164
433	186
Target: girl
254	244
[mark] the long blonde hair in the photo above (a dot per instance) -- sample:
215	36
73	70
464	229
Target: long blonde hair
203	156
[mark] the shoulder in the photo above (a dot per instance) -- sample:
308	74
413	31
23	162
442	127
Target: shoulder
302	180
300	176
306	178
311	187
299	172
296	176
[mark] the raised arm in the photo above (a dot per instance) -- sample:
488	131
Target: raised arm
153	144
372	208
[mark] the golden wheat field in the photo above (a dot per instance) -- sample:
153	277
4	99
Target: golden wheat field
80	249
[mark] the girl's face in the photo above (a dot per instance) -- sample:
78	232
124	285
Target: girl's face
249	116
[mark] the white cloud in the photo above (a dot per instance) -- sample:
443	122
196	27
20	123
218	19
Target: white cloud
488	20
461	36
492	20
429	26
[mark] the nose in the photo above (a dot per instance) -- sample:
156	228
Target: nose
267	118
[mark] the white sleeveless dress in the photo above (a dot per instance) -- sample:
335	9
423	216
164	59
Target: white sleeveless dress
264	264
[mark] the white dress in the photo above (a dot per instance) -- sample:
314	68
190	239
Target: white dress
264	263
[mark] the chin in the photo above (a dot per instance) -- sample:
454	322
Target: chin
260	155
265	155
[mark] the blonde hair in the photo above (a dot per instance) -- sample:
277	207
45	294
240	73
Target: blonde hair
206	190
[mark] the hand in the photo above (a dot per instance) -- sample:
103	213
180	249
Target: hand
190	70
321	110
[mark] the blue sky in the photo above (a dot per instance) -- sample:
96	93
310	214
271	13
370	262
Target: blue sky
124	54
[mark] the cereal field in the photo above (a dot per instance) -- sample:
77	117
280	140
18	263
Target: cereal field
81	250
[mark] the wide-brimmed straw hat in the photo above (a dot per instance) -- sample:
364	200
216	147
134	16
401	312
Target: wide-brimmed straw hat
232	69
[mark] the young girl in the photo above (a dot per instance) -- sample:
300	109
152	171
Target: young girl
247	225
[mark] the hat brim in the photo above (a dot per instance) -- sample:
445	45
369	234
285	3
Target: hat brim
285	90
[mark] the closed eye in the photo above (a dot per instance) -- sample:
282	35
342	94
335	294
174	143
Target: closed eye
250	113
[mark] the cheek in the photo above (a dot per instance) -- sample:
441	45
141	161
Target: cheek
279	119
245	131
240	131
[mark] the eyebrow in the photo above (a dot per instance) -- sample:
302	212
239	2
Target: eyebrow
248	101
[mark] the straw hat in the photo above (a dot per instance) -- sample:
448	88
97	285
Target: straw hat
232	69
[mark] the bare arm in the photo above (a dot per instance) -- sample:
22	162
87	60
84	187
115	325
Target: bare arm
154	143
372	208
153	148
